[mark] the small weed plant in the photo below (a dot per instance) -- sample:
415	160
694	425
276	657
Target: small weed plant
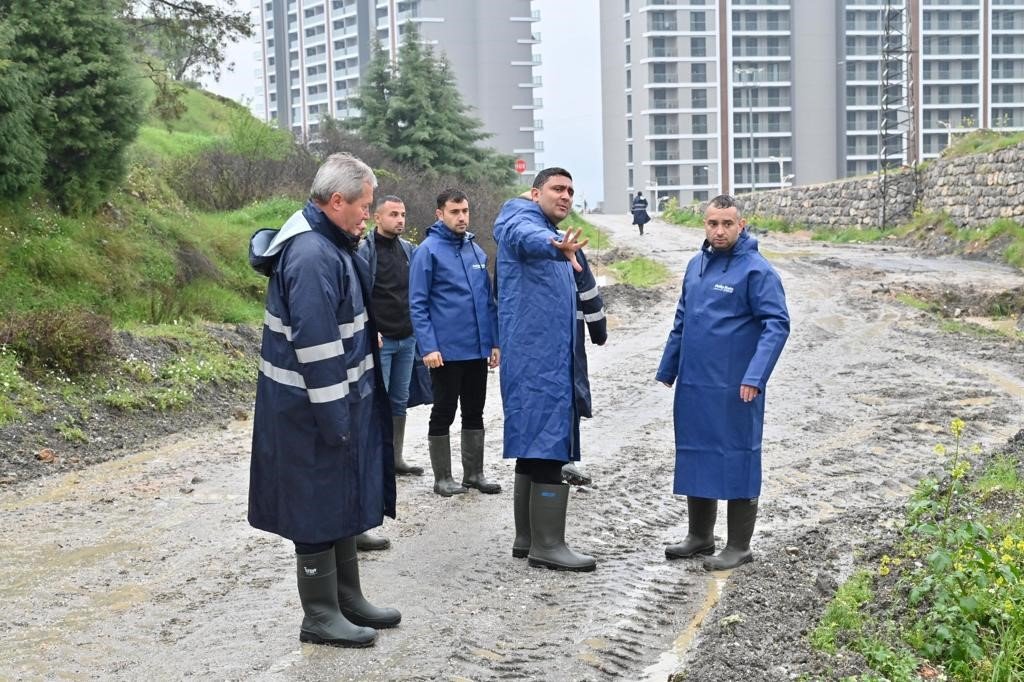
955	582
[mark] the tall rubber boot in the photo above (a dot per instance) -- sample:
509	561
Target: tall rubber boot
441	462
521	511
371	543
700	536
473	462
573	476
742	514
350	595
548	503
402	468
317	576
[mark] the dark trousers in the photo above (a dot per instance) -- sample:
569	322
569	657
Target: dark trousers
313	548
458	383
540	470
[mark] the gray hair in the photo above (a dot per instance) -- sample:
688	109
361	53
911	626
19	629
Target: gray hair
343	174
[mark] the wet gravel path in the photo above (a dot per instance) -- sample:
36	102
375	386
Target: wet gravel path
144	566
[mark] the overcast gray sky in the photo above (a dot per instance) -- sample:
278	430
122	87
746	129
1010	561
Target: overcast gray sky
571	73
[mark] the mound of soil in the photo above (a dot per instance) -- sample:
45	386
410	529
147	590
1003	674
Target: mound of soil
42	444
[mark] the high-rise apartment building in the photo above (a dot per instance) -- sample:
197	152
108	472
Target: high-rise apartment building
314	53
708	96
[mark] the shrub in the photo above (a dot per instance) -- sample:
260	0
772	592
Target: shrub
68	341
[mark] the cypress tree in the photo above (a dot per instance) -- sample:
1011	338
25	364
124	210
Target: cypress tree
373	100
21	150
86	83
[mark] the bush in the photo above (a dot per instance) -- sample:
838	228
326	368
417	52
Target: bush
68	341
219	179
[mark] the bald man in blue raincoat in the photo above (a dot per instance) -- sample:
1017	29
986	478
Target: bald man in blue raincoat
730	327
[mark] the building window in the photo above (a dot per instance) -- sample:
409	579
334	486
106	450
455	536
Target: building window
699	124
699	98
698	47
698	22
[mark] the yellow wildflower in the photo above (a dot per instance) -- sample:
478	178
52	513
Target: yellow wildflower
957	427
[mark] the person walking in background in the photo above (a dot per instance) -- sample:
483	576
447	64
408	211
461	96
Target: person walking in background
456	328
322	469
730	327
537	324
639	209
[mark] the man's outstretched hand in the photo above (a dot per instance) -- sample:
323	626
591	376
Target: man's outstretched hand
570	244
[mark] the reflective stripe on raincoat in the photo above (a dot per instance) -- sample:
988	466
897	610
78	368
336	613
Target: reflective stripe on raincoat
730	327
322	466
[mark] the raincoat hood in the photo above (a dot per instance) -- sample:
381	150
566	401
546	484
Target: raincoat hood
520	208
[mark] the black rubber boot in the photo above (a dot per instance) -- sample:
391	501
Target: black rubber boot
402	468
317	576
350	595
742	514
573	476
548	503
521	511
473	462
441	462
371	543
700	536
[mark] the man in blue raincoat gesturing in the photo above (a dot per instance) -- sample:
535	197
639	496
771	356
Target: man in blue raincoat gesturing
537	327
730	327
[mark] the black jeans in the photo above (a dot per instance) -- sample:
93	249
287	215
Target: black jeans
540	470
458	383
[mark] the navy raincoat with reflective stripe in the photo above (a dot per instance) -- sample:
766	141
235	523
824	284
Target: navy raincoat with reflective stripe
450	299
590	318
322	464
537	326
730	327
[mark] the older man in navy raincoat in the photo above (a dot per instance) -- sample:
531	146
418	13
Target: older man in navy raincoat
730	327
322	468
537	327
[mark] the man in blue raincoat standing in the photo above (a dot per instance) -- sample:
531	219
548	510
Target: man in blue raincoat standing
537	325
456	327
730	327
322	470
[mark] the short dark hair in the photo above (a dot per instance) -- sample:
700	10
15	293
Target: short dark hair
452	194
385	199
725	201
547	174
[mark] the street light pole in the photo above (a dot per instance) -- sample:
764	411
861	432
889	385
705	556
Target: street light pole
782	172
751	71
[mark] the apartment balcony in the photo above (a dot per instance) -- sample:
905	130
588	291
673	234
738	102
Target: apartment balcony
664	104
532	17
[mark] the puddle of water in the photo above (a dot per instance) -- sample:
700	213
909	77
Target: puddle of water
672	660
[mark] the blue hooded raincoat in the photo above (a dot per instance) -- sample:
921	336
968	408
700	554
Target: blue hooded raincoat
537	324
730	327
322	465
449	290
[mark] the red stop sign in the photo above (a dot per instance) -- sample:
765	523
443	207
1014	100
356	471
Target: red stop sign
520	166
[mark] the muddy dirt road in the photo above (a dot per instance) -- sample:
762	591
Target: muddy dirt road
145	568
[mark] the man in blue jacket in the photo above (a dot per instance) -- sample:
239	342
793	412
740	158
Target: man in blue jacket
537	323
321	470
730	327
456	327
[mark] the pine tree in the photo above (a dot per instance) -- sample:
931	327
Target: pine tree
413	128
373	100
424	120
21	149
85	80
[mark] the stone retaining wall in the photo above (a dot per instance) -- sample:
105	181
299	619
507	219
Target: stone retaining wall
974	190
